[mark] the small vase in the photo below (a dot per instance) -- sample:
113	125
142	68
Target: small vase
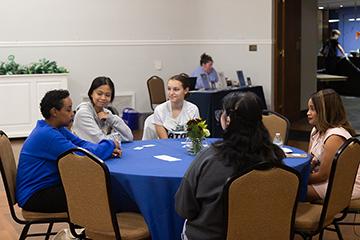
193	146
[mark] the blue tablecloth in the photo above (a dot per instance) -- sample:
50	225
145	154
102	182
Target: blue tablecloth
152	183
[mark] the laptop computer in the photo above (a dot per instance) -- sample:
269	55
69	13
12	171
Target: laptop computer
241	78
191	82
205	81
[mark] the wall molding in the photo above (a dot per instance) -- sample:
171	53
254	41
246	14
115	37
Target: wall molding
95	43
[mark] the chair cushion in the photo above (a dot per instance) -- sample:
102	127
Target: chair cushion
30	216
307	217
354	206
131	225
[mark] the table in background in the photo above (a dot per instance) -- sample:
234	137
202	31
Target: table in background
152	183
210	100
324	80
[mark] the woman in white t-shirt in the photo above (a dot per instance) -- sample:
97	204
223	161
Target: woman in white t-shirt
170	117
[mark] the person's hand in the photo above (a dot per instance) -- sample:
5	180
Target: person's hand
102	115
315	163
117	145
117	152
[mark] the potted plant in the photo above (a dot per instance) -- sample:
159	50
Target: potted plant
43	66
21	89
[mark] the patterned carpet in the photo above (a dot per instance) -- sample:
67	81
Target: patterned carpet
352	107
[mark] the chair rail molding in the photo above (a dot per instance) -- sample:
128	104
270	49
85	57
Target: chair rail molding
20	97
148	42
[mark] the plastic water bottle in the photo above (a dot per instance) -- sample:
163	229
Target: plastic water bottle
117	138
278	140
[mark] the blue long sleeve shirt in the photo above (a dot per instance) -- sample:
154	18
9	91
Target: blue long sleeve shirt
37	168
212	77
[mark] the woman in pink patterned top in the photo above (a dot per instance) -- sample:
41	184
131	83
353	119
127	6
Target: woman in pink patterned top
331	129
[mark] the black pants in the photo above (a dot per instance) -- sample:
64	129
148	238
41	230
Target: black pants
48	200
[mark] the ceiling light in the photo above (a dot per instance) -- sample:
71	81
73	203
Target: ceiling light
341	5
333	20
320	8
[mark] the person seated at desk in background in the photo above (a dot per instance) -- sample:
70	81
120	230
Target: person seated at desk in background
38	185
205	72
246	142
93	121
331	128
170	117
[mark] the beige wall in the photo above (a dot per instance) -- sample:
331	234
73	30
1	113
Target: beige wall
124	38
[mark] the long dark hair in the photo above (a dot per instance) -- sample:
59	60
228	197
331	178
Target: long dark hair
246	139
99	81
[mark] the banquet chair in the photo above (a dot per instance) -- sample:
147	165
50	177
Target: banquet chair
149	129
86	180
276	123
261	203
8	172
313	218
354	207
156	90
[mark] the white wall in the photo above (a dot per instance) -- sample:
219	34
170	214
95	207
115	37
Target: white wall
123	38
309	39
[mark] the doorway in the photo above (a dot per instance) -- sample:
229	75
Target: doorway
287	58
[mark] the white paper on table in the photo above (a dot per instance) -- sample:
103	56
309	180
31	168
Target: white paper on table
149	145
286	150
167	158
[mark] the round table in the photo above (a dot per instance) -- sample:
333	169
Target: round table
152	183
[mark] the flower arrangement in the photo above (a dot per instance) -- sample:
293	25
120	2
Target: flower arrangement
43	66
196	132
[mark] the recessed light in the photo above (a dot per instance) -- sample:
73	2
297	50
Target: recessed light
320	8
341	5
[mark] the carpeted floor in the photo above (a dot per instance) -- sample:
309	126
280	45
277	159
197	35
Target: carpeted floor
352	107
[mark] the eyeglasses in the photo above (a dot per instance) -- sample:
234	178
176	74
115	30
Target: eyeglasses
218	114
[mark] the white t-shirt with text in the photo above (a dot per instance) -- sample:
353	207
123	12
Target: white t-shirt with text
175	127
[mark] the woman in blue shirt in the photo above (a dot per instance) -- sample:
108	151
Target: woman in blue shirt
38	185
206	75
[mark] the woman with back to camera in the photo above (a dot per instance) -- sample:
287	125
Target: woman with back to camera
331	129
93	121
246	143
170	117
207	70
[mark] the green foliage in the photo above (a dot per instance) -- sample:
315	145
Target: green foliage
197	129
43	66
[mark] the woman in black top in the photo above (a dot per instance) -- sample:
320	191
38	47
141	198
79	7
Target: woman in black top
245	143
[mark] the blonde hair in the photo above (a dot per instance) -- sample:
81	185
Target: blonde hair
330	111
